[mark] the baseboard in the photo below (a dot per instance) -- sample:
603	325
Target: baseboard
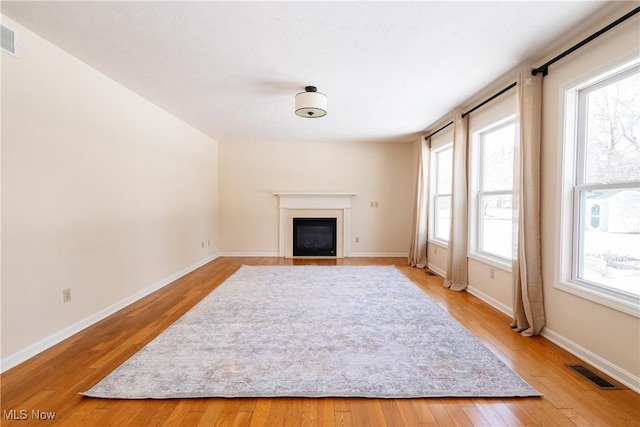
351	255
615	372
56	338
491	301
378	255
250	254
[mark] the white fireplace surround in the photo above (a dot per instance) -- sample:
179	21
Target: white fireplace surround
315	205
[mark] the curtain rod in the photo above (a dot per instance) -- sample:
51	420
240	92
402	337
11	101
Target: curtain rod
544	68
443	127
491	98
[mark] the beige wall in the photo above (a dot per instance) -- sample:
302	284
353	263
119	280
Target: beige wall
602	336
601	332
102	192
376	171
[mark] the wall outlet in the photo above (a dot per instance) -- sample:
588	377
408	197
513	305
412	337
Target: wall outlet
435	249
492	273
357	240
203	243
66	295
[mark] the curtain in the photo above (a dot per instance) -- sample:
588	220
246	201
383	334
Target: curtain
418	250
528	304
456	277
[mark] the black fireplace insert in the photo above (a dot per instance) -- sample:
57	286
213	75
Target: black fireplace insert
314	236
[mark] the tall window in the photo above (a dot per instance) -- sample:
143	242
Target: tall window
606	192
442	161
492	183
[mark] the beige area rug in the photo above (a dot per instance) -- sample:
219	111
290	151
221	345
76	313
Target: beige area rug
314	331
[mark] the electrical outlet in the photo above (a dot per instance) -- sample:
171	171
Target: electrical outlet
492	273
435	249
203	243
357	240
66	295
208	242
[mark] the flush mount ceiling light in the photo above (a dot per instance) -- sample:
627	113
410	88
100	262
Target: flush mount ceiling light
311	103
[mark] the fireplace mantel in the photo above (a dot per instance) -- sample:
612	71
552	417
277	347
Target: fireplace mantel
316	205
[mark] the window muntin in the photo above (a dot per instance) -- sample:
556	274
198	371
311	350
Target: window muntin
492	214
442	165
606	237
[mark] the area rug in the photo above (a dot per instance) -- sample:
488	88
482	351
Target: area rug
314	331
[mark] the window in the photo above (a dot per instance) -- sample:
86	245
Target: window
492	184
441	167
605	188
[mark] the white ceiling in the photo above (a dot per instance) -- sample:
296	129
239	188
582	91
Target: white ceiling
231	69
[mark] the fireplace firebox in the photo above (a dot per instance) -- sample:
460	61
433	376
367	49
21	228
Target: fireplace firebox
314	236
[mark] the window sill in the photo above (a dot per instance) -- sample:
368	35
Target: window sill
609	298
440	243
493	262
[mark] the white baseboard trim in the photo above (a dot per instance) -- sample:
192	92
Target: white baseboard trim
351	255
250	254
436	270
56	338
617	373
491	301
378	255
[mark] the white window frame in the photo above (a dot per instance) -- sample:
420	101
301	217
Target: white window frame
569	218
477	194
435	194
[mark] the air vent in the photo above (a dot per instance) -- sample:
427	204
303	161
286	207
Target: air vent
593	377
8	37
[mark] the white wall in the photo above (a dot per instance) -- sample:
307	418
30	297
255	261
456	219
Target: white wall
376	171
602	336
102	192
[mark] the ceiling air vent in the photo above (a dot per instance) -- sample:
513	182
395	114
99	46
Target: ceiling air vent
8	37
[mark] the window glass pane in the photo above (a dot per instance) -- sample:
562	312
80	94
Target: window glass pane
444	167
497	159
610	226
613	131
496	225
443	217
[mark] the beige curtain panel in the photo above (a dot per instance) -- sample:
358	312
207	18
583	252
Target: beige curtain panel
456	277
418	249
528	304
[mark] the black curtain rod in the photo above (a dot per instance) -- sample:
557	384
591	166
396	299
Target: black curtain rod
494	96
443	127
544	68
511	86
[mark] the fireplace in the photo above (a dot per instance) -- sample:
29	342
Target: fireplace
314	237
334	206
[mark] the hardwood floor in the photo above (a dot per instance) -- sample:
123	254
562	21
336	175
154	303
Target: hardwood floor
50	382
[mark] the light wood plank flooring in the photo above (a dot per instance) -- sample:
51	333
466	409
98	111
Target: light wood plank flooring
50	382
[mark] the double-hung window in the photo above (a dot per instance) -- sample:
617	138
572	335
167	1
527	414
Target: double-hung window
492	193
604	209
441	167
